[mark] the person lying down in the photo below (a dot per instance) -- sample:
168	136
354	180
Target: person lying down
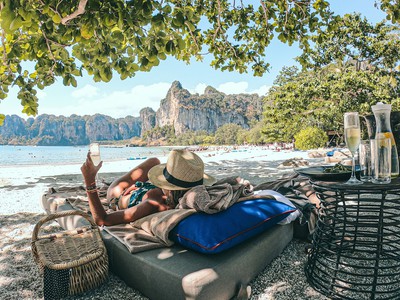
153	187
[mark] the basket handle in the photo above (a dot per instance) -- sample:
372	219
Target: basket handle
60	215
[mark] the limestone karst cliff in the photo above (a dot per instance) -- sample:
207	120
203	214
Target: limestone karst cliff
50	130
148	118
182	110
208	111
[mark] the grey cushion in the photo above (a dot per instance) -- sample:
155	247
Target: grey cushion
177	273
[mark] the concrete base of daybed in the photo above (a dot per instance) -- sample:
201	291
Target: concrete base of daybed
177	273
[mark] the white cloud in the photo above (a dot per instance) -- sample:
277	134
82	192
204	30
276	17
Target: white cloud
241	87
118	103
88	91
199	89
233	87
261	91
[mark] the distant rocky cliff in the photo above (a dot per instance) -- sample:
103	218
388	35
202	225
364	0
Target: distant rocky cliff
148	118
50	130
184	111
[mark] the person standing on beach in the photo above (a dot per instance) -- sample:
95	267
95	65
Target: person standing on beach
148	188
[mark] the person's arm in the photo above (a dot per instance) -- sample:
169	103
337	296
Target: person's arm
152	204
134	213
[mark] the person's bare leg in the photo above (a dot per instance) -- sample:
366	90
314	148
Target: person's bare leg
139	173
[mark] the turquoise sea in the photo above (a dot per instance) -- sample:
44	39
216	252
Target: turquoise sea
53	155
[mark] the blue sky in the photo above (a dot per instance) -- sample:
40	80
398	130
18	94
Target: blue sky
121	98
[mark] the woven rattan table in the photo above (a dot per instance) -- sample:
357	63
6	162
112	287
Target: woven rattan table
356	245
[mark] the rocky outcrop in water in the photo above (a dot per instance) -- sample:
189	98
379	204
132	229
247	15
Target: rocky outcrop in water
179	109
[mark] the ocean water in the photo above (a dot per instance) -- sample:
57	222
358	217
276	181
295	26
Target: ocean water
53	155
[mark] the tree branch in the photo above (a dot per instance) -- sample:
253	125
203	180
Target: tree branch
3	41
193	37
52	9
264	7
48	47
219	28
79	11
51	71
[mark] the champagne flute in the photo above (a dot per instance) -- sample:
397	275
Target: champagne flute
94	149
352	136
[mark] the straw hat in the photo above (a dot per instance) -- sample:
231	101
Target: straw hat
183	170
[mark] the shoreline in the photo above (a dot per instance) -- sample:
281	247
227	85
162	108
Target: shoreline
30	181
120	165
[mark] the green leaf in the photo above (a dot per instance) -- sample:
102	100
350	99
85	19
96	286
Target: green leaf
170	47
73	82
86	31
16	23
109	21
76	72
190	26
105	74
124	75
134	67
157	19
167	9
181	44
56	18
66	80
130	51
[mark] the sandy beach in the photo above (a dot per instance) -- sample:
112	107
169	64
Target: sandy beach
21	188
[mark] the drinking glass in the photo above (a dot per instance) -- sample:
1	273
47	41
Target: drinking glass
94	149
352	136
364	155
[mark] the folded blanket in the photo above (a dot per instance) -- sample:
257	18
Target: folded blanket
149	232
74	195
212	199
77	197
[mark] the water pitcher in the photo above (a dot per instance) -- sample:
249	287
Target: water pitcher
382	118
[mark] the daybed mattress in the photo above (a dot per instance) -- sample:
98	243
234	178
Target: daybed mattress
177	273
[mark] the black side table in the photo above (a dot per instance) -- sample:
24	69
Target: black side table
356	245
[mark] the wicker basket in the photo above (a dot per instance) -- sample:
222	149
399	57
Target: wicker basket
81	251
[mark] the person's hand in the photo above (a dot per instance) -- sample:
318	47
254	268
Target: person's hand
89	170
130	189
245	182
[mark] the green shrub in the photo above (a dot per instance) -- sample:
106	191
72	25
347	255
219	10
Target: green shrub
310	138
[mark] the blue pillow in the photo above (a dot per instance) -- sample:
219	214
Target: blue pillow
214	233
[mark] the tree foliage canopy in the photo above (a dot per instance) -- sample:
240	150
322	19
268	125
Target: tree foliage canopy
227	134
358	42
346	71
64	39
310	138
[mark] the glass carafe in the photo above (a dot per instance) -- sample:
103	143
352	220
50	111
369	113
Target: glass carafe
382	118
